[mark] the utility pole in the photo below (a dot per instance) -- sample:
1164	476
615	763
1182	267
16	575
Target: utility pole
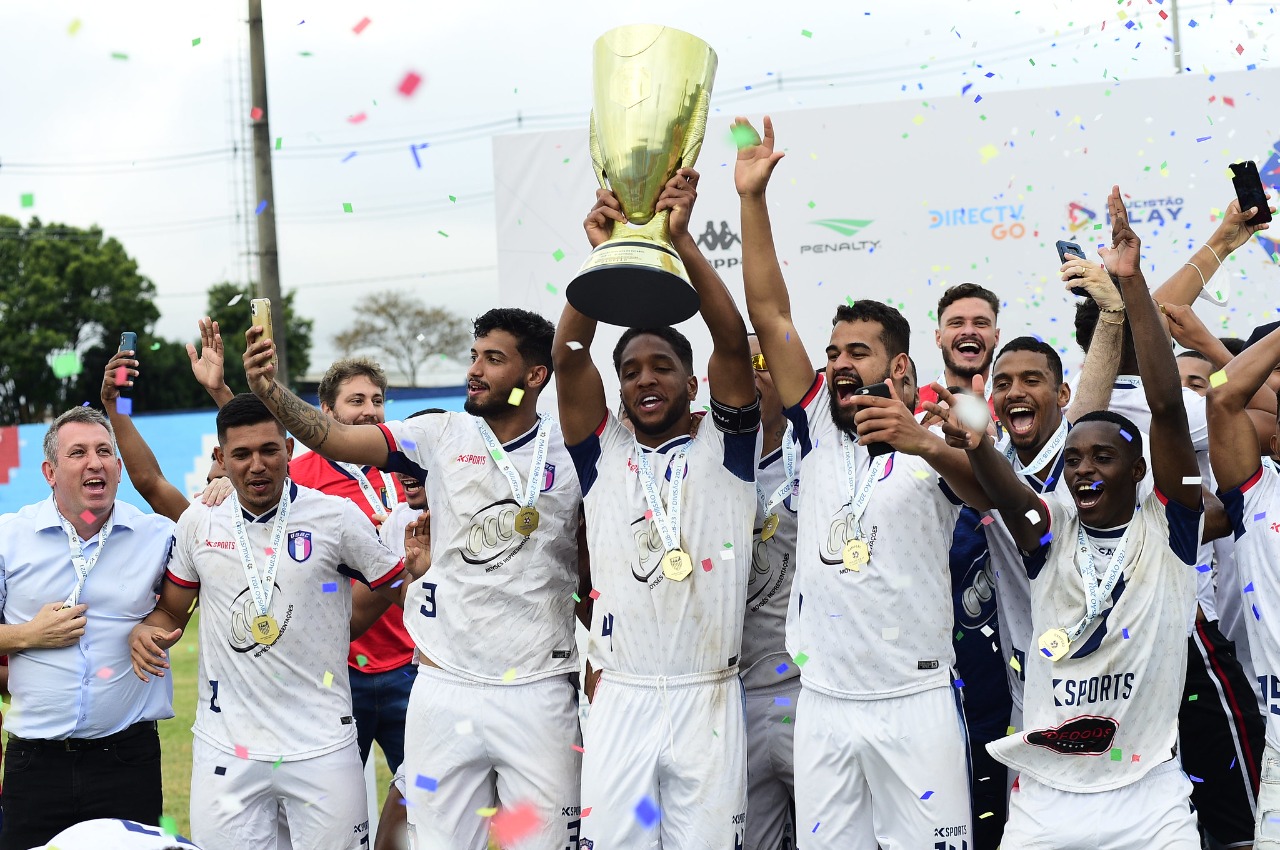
268	261
1177	37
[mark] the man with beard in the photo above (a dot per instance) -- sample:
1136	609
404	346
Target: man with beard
1111	580
879	739
966	335
493	619
669	528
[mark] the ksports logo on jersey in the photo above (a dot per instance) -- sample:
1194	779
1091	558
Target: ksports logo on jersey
1095	689
1081	736
220	544
300	545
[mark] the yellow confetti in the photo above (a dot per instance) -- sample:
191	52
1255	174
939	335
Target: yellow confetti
988	153
1013	662
1011	731
517	395
918	120
1218	378
328	679
985	815
510	675
921	474
486	812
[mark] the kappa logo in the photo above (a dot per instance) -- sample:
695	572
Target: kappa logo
300	545
718	241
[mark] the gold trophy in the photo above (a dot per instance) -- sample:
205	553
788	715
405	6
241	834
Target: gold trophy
652	91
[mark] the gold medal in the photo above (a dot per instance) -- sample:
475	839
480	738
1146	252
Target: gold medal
527	520
1054	644
769	527
266	630
856	554
677	565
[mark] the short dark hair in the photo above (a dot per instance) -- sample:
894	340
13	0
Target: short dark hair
1233	344
1087	315
243	409
533	333
967	290
1038	346
344	370
895	333
1124	423
678	342
1191	354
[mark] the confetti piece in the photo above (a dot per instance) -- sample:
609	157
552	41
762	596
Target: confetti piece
1193	698
594	594
346	208
782	700
926	795
104	673
557	255
195	42
362	660
123	57
1248	588
815	826
987	152
1116	754
578	749
427	783
1124	633
73	27
279	142
276	764
1136	758
328	679
1203	568
509	676
87	515
360	27
270	551
28	200
985	815
219	771
464	727
889	633
409	84
574	345
806	33
1259	517
706	565
1191	479
647	813
514	824
1011	731
1047	539
726	555
782	668
486	812
155	346
987	520
1194	778
242	752
1033	516
1217	378
168	824
344	159
576	597
1128	437
234	301
586	812
66	365
517	396
124	406
255	114
959	683
329	587
262	207
800	659
743	136
358	118
1013	662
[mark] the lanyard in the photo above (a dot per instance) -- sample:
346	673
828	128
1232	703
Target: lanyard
666	520
859	495
1045	456
1128	382
375	503
788	485
525	495
261	586
83	566
1096	591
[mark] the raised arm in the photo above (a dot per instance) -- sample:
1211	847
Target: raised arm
1232	441
363	444
729	367
1102	361
768	304
1173	457
139	461
579	390
1194	276
207	366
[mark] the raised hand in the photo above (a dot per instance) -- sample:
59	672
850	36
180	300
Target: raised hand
888	420
417	545
1186	328
1093	278
259	360
958	429
1126	248
1232	231
110	388
756	156
208	366
216	492
678	196
599	222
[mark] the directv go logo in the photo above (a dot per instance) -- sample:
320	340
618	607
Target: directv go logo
1005	219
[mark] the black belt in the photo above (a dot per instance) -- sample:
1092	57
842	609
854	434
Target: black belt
78	744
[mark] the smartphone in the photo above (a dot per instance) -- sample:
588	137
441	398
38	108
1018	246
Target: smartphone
882	390
1071	249
260	314
1248	183
128	341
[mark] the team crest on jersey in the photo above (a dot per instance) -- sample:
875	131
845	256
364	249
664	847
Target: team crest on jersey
585	844
548	477
300	545
888	467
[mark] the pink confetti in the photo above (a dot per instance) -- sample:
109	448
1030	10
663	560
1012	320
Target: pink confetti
578	749
511	825
87	515
122	376
242	752
987	520
104	673
706	565
270	551
255	114
1239	49
586	811
594	594
648	515
357	119
360	27
409	84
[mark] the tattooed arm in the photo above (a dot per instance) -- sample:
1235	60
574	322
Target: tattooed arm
363	444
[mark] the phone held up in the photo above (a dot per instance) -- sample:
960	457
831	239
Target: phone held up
882	390
260	314
1071	249
1249	190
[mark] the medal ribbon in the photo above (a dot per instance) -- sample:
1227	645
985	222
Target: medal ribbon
526	495
1046	454
261	586
859	495
1096	591
667	520
370	495
788	486
83	566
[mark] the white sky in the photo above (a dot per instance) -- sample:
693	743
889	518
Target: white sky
67	107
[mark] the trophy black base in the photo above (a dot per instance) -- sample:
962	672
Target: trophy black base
633	285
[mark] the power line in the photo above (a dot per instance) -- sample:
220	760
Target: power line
327	284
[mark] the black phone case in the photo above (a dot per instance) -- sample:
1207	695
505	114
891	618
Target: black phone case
876	449
1249	190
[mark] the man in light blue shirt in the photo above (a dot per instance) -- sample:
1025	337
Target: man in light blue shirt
77	572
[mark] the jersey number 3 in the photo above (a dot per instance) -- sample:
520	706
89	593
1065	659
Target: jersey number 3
429	609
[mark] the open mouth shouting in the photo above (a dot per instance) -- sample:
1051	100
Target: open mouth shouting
648	403
1020	419
95	486
969	348
845	384
1087	494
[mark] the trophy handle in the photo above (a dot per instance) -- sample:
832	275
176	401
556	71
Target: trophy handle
697	130
597	157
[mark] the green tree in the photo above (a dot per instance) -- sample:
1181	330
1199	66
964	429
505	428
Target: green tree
62	289
404	332
232	315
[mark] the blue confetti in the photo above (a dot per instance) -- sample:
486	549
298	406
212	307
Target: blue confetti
329	587
262	207
427	783
1203	568
1048	536
647	813
1260	517
1248	588
959	683
926	795
1125	633
782	701
1125	434
781	668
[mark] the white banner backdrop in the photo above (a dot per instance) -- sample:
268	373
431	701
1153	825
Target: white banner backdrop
898	201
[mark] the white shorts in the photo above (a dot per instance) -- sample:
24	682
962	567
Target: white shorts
665	763
771	787
472	746
237	803
889	772
1155	811
1266	831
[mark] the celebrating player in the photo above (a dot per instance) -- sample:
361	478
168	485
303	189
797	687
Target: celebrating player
493	717
669	528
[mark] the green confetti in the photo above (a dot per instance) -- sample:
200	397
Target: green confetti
361	660
806	33
577	598
1192	698
279	142
812	205
305	53
194	42
169	825
442	233
121	56
1033	62
453	199
557	255
346	208
155	346
277	763
552	289
1116	754
67	365
801	659
28	200
743	136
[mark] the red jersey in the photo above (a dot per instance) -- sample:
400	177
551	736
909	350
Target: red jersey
386	645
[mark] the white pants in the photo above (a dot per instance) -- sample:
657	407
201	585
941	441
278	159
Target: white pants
236	803
675	746
771	787
889	772
470	746
1154	812
1266	831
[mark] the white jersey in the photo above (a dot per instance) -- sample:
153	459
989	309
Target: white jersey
884	630
292	699
113	834
773	566
1105	714
392	531
495	606
1254	510
643	624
